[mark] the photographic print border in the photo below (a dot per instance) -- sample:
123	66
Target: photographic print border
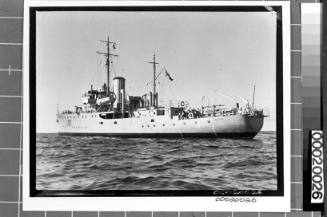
283	105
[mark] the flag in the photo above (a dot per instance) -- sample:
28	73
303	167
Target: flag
114	45
168	75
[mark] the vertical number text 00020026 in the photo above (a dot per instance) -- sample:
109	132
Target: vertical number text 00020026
317	179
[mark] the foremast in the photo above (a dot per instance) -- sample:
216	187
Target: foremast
108	55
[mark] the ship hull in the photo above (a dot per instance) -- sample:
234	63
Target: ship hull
249	135
234	126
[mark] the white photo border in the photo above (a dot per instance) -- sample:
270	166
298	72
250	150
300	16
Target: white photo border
205	203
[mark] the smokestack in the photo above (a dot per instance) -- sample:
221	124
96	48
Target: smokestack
119	85
123	102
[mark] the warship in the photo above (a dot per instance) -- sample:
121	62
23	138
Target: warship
109	111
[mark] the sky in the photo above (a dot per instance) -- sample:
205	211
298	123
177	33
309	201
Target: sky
218	55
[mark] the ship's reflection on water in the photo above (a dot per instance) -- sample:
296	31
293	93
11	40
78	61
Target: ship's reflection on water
105	163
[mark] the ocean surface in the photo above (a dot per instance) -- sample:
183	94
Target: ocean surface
105	163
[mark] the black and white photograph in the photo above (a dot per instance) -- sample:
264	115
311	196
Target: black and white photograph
157	101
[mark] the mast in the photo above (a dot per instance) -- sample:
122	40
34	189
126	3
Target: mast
154	76
253	96
108	65
108	55
154	80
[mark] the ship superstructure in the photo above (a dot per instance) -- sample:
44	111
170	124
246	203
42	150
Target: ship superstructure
114	113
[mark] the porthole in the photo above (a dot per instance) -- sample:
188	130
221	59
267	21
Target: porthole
173	124
101	122
142	126
115	122
163	125
209	122
195	122
184	123
154	125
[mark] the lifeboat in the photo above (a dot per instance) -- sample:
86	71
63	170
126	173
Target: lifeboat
111	98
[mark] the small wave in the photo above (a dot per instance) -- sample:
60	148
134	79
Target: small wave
248	147
77	175
174	150
157	157
52	175
204	164
132	180
212	146
242	163
91	185
157	168
243	176
189	185
110	166
181	162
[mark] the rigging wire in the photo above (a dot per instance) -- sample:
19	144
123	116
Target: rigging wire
114	70
172	92
227	96
120	67
96	72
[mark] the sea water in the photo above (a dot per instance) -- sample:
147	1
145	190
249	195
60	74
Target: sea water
112	163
